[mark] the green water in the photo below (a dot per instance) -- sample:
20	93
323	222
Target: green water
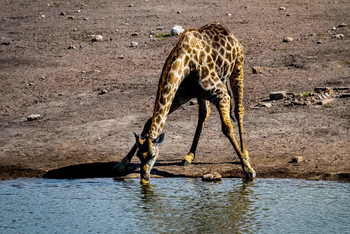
174	205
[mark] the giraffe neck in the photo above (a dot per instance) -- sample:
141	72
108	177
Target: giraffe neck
173	73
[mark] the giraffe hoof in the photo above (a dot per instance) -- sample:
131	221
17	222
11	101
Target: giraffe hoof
251	174
188	159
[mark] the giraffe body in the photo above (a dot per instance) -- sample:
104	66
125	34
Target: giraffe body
201	65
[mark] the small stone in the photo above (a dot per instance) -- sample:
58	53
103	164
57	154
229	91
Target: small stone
289	15
342	25
71	17
103	92
71	47
287	39
176	30
319	42
159	28
193	102
278	95
326	101
86	18
121	57
297	159
229	14
213	176
312	34
131	5
96	38
256	70
77	11
334	28
345	95
62	13
134	44
178	12
134	34
33	117
264	104
282	8
338	36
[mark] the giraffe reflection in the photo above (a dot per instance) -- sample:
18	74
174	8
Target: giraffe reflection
202	65
199	207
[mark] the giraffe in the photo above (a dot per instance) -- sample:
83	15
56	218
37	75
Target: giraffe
202	65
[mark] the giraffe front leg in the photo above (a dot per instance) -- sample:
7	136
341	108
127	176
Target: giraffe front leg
227	128
204	112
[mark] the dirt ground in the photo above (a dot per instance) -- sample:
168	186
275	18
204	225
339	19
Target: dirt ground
92	96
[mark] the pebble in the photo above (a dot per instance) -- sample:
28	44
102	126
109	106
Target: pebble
134	34
326	101
342	25
96	38
176	30
213	176
297	159
159	28
264	104
77	11
134	44
338	36
256	70
71	47
282	8
33	117
334	28
287	39
121	57
62	13
103	92
278	95
71	17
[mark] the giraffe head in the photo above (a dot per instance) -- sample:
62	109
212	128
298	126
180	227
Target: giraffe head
148	154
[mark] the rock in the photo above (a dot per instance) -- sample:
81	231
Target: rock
345	95
282	8
71	17
131	5
288	39
264	104
134	34
96	38
297	159
278	95
213	176
62	13
176	30
103	92
229	14
159	28
71	47
256	70
334	28
33	117
326	101
319	42
121	57
342	25
134	44
338	36
77	11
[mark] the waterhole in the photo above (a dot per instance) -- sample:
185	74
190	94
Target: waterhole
173	205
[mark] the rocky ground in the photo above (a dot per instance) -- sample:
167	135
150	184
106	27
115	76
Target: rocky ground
78	77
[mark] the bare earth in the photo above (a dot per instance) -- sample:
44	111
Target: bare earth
49	66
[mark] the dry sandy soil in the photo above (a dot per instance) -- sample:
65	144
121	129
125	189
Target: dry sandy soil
49	66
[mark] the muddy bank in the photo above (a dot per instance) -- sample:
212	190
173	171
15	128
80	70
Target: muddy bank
91	95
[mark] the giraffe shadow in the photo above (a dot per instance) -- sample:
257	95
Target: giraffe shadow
105	169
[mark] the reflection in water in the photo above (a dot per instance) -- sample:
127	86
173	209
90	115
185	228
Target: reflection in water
173	205
199	207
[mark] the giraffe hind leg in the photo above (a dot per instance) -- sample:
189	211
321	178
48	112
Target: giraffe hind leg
204	112
227	128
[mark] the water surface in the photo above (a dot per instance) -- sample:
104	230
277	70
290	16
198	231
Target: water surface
173	205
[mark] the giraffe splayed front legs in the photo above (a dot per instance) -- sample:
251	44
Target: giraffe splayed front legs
201	65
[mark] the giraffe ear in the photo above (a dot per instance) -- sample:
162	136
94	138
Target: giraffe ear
159	139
